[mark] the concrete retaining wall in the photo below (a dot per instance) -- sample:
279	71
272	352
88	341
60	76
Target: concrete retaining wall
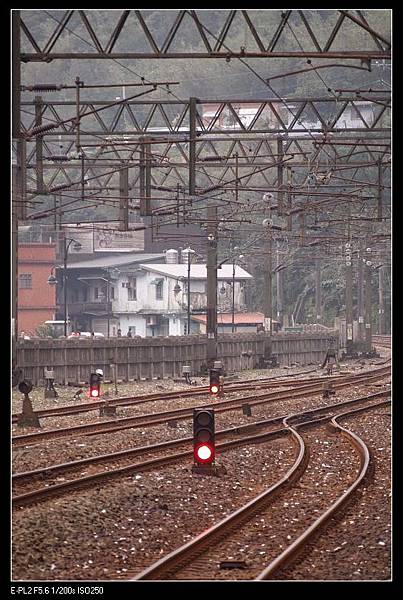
161	357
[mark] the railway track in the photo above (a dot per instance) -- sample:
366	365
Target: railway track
192	559
128	401
150	419
112	463
383	341
173	395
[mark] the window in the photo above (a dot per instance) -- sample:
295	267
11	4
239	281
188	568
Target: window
159	290
25	280
132	290
112	293
96	293
85	294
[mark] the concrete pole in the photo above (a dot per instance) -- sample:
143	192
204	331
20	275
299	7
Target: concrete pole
211	327
381	302
360	294
124	199
280	177
318	291
192	145
368	308
279	289
349	307
267	296
39	146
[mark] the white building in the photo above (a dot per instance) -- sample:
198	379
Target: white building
149	297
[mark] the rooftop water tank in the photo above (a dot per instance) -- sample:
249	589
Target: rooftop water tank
187	252
171	257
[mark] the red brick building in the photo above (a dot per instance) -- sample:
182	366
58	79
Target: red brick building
36	298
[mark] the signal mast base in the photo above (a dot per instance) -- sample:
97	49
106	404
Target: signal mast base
215	470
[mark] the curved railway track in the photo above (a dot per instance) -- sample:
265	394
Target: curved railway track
170	566
110	461
147	420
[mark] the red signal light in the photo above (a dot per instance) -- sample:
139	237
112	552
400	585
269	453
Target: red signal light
94	393
204	453
214	389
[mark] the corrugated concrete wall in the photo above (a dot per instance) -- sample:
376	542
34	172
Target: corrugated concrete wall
161	357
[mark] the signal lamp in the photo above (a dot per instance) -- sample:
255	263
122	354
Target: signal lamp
215	385
95	385
203	436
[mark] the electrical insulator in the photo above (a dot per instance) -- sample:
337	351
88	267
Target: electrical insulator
42	128
42	87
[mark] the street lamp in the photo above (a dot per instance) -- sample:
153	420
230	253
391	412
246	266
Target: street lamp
52	279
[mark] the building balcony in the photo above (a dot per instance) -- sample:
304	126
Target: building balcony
92	308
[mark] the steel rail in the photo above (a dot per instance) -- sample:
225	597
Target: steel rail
132	400
195	546
184	554
295	548
150	419
43	493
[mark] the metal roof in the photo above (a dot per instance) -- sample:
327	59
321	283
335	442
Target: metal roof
102	262
197	271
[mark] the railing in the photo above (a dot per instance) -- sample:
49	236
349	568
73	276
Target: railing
76	308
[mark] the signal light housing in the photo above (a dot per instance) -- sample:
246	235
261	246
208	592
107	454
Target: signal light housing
203	436
215	384
95	385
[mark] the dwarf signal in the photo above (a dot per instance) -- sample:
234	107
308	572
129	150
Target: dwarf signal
95	385
215	383
203	436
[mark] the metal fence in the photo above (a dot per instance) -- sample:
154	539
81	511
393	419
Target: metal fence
139	358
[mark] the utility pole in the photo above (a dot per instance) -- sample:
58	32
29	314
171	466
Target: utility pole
360	293
279	288
192	145
211	327
368	301
18	204
380	189
145	177
267	295
280	177
349	288
124	198
381	302
318	291
39	146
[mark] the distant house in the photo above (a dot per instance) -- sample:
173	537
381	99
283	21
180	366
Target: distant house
243	322
149	297
36	298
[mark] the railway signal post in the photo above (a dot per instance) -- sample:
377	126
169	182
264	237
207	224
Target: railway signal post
28	418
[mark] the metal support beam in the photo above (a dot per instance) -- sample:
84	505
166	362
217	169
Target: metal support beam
16	74
368	308
211	327
124	199
39	146
280	177
279	289
192	145
380	190
381	302
145	177
267	295
360	294
349	307
318	291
